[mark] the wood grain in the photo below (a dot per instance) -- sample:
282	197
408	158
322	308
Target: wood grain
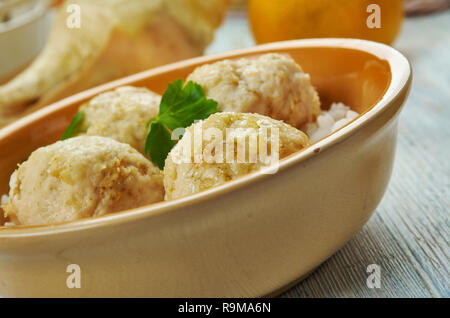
408	236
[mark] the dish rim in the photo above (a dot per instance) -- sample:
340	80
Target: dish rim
400	70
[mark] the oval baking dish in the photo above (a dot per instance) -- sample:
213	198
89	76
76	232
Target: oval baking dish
250	237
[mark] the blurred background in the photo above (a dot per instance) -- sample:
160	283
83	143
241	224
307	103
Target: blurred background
261	21
25	24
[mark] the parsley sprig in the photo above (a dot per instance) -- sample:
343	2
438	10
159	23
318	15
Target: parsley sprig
74	126
180	107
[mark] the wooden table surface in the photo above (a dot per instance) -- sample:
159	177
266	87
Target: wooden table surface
408	235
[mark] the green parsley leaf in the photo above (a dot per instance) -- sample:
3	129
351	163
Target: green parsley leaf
180	107
73	127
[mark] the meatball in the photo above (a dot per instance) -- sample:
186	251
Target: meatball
81	177
224	158
121	114
272	84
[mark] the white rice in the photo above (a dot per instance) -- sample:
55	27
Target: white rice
329	121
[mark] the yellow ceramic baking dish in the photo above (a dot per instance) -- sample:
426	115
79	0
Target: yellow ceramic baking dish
250	237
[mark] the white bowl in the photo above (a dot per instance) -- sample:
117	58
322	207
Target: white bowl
23	36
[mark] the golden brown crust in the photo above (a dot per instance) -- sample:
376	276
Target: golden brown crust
184	177
81	177
271	84
121	114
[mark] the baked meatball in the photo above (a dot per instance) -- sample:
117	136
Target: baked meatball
121	114
272	84
81	177
185	174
